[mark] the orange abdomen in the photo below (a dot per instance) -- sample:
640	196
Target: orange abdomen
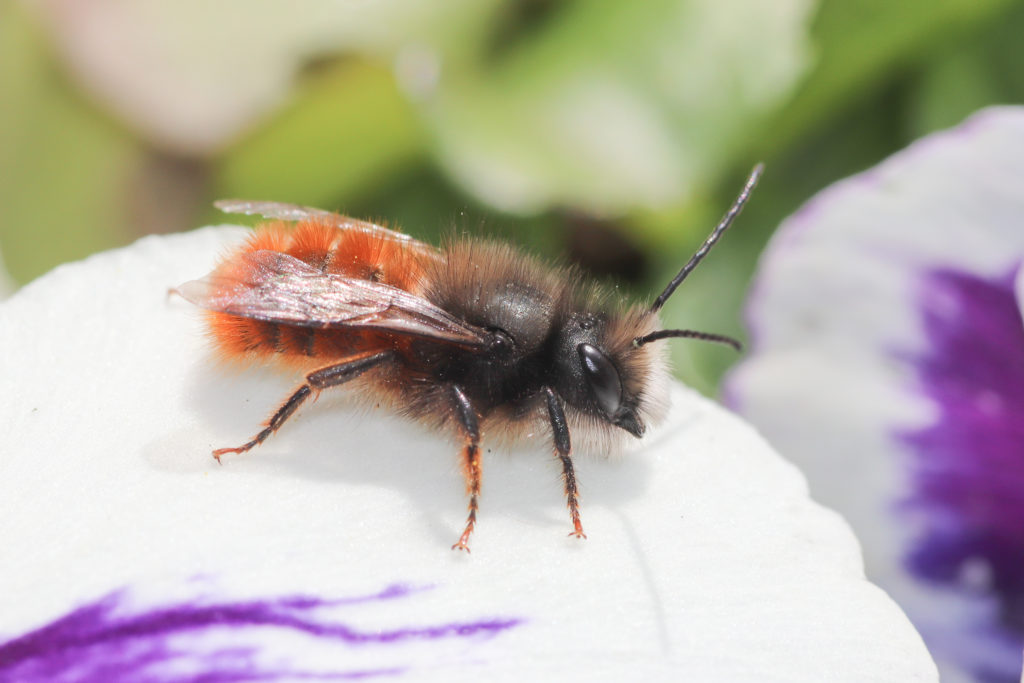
351	253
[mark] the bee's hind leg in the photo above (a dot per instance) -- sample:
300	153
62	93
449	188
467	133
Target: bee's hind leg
329	376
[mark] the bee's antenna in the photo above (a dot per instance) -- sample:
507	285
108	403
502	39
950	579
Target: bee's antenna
726	221
690	334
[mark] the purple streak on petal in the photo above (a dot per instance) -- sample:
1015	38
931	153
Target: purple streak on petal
106	641
969	465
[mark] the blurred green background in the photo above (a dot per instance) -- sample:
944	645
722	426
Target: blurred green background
610	134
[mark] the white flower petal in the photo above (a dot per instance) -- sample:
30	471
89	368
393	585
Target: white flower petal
705	560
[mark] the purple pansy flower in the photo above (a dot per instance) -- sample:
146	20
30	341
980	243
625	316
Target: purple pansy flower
888	362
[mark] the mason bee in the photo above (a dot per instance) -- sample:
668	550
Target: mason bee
475	337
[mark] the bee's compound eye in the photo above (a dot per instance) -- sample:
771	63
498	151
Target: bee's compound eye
602	377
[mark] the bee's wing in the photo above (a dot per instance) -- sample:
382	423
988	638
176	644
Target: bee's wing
276	287
294	212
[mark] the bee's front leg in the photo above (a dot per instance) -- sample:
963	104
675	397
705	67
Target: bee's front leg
563	448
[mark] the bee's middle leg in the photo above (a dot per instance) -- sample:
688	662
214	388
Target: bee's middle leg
471	464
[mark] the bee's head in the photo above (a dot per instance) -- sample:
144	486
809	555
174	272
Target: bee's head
607	366
602	373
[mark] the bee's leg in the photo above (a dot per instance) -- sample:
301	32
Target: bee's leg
563	447
471	464
325	377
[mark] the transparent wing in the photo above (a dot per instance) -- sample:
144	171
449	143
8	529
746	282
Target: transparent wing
294	212
276	287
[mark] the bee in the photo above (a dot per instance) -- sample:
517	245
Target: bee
474	338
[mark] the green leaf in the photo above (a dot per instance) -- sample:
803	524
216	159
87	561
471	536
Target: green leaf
611	107
863	43
347	129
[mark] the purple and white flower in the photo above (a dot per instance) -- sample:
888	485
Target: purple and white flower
888	363
129	554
